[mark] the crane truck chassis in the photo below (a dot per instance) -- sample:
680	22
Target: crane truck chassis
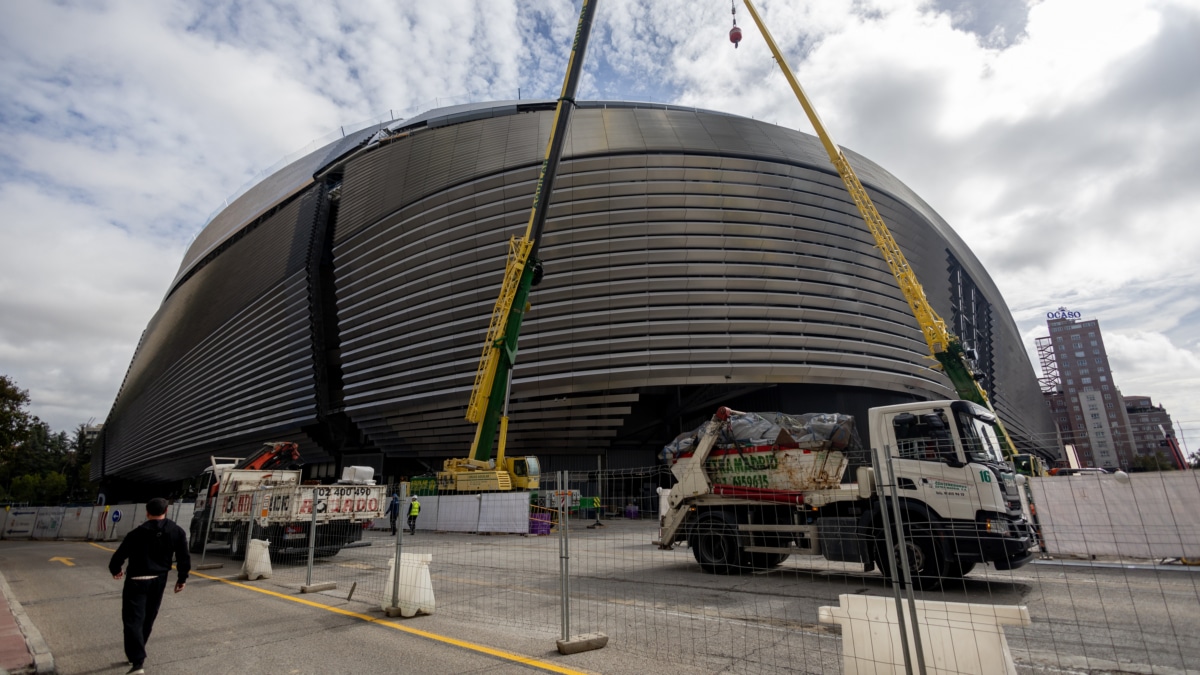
957	499
282	510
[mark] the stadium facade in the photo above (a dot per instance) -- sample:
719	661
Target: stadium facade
692	259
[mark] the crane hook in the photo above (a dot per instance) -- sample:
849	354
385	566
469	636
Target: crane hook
735	33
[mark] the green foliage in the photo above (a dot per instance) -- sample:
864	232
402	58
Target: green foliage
53	488
14	421
1156	462
37	465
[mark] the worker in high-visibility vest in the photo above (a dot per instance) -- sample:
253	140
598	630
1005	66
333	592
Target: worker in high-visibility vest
414	509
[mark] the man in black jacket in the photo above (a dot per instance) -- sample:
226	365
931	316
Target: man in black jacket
149	549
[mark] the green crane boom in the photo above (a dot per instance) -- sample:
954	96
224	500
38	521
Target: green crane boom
489	396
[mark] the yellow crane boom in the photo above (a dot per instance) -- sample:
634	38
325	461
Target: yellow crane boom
944	346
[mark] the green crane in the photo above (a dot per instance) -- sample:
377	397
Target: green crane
488	406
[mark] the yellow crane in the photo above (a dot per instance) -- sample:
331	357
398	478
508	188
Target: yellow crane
944	346
488	406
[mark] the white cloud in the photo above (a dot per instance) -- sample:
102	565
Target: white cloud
1058	137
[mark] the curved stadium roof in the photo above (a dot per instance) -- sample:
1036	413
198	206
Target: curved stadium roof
692	258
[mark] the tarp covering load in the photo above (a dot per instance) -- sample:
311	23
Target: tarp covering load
832	430
775	451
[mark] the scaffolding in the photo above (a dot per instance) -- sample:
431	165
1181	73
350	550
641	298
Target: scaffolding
1049	381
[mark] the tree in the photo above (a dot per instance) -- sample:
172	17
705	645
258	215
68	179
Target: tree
38	465
79	486
53	488
1156	462
25	488
14	421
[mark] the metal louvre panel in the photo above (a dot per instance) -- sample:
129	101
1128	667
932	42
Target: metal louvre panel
229	352
661	270
657	131
691	258
262	257
252	374
265	195
366	190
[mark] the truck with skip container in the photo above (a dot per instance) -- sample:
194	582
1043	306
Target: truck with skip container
746	501
279	507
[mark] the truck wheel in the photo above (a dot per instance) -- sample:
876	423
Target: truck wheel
237	542
715	546
924	563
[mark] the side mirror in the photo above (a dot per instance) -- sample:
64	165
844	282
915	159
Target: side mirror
951	458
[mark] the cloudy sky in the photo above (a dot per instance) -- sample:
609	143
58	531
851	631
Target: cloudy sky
1060	138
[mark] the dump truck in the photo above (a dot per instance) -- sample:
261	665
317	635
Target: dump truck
279	508
754	488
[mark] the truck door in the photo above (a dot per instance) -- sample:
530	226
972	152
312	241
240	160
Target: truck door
928	464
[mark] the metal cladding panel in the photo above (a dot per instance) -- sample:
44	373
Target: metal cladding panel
692	259
252	375
682	249
266	195
228	354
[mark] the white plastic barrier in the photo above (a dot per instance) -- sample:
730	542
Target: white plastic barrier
504	512
99	523
1151	515
105	528
258	560
416	588
181	513
20	523
457	513
75	522
428	520
956	637
49	520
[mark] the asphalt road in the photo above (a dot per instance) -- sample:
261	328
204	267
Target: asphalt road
219	627
658	608
658	604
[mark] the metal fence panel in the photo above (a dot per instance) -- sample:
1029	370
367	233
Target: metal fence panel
1103	607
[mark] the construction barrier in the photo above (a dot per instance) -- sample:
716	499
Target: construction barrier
95	523
20	523
49	520
1098	515
75	522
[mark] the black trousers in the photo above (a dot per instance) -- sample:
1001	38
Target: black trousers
394	516
412	524
140	600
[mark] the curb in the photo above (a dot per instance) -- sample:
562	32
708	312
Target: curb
43	660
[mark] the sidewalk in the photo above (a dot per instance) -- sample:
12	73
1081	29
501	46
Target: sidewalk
22	649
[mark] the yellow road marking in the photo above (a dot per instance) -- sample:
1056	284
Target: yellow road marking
498	653
65	561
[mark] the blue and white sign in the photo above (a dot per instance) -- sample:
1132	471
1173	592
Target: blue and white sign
116	516
1063	313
